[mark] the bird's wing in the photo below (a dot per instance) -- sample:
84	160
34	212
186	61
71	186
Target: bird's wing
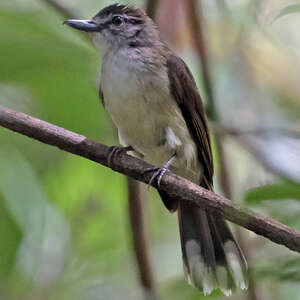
101	96
185	93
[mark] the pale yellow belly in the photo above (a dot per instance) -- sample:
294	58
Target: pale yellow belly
149	120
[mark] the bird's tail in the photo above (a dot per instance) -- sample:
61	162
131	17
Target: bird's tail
211	256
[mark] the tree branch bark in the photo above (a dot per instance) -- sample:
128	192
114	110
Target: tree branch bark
67	13
136	195
197	24
175	186
62	9
137	210
193	9
151	8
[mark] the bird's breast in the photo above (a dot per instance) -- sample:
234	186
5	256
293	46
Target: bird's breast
136	98
146	115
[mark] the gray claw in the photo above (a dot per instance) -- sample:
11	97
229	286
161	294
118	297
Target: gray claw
115	150
158	174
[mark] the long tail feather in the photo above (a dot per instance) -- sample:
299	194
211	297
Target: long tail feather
211	256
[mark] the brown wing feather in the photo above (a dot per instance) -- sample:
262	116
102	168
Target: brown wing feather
209	231
101	96
185	93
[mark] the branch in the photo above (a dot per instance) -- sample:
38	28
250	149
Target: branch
175	186
261	131
136	194
151	8
137	197
67	13
64	11
197	24
199	41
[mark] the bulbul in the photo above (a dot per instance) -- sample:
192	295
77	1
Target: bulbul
154	102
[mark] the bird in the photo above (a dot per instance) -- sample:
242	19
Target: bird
152	98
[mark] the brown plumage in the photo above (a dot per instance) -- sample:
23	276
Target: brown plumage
209	230
153	99
119	9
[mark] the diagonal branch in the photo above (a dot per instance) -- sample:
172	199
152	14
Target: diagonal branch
197	26
139	229
67	13
194	8
175	186
140	233
62	9
151	8
136	195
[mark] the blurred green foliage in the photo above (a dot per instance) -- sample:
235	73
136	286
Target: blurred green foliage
279	191
290	9
63	219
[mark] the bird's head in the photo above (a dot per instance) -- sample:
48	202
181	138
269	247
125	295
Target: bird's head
117	26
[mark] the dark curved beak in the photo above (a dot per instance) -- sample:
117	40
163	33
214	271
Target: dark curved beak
83	25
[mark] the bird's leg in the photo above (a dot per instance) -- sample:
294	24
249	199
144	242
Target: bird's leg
116	150
159	172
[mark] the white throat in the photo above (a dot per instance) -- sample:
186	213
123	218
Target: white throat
101	43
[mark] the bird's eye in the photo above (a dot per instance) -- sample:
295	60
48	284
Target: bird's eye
117	20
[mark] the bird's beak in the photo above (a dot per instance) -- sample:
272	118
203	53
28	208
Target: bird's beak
83	25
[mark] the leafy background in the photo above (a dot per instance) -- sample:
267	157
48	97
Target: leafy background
63	219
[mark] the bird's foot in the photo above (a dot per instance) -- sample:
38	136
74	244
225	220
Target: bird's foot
159	172
115	151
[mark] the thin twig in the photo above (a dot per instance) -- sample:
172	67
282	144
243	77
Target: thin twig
137	210
262	131
199	41
174	186
67	13
151	7
224	174
136	195
197	21
223	7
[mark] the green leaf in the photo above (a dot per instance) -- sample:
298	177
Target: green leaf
280	269
290	9
94	199
11	236
178	289
280	191
40	222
